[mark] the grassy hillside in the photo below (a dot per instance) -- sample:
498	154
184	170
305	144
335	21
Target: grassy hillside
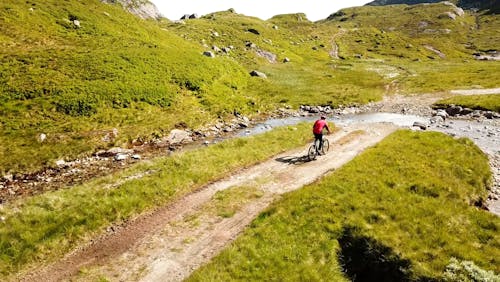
115	70
421	49
398	212
75	70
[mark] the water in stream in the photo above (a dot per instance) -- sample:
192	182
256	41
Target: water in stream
485	133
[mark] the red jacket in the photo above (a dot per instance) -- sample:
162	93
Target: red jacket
319	125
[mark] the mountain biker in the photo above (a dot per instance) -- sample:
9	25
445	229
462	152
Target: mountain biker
318	127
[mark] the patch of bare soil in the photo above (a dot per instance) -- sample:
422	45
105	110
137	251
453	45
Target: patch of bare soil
168	244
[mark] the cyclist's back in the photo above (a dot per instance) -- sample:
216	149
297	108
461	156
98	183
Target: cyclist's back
318	128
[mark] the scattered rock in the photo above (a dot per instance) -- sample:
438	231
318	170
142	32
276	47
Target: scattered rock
466	111
317	109
250	45
110	136
136	157
258	74
423	24
268	41
454	110
121	157
8	177
76	23
286	60
42	137
178	136
489	115
189	16
209	54
254	31
488	56
436	119
441	113
436	51
268	55
447	15
60	163
114	151
420	125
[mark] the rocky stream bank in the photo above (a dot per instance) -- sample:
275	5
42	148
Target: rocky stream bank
482	127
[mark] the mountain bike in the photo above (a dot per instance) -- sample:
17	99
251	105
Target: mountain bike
313	151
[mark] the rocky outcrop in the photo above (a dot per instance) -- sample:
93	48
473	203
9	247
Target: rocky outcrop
141	8
270	57
491	55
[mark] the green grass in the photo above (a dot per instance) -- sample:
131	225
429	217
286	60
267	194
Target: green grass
41	228
118	71
444	76
404	207
476	102
227	202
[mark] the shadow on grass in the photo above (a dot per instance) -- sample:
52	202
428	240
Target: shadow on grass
365	259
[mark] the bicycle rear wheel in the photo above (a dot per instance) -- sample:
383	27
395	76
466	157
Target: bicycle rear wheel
311	154
326	146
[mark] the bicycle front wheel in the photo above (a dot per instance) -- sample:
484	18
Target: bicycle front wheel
311	154
326	146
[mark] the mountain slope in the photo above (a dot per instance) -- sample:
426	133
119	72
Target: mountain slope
73	72
77	69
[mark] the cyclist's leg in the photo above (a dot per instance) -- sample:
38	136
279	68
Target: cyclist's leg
318	141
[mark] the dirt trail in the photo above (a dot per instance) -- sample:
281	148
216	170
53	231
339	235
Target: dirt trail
175	240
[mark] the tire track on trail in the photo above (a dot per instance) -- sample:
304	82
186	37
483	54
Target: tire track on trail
187	236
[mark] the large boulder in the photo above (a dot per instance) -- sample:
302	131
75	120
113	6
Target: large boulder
420	125
270	57
254	31
454	110
178	136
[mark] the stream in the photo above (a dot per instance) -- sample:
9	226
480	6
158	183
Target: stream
484	132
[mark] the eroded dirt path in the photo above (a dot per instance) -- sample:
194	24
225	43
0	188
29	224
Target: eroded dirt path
170	243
